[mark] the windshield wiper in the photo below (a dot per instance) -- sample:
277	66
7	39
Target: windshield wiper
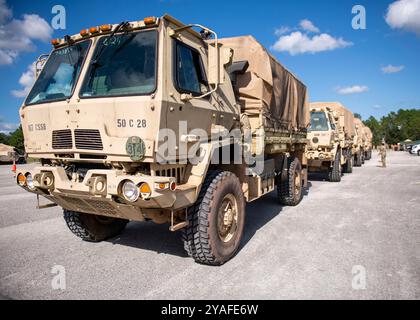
95	60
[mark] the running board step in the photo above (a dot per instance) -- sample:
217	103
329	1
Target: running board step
178	226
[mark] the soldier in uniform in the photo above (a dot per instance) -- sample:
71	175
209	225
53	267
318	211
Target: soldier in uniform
382	152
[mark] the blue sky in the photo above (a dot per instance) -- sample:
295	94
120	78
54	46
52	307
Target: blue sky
333	57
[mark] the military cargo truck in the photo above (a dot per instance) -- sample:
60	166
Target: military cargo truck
367	142
7	153
154	120
330	138
358	145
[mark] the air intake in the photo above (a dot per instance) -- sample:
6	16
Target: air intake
88	139
61	139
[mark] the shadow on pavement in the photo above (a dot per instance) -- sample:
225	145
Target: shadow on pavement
158	238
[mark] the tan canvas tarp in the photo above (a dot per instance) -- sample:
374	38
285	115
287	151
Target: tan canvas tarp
267	86
6	148
349	128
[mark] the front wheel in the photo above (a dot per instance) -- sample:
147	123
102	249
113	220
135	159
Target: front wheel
334	173
216	221
93	228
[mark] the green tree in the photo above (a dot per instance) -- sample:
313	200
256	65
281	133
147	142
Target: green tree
4	138
16	139
376	129
357	115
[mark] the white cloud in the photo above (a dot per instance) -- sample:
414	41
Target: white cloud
392	69
282	30
5	12
377	107
26	80
299	43
307	25
404	14
352	89
17	35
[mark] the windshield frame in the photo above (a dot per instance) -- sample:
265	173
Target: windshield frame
326	118
94	53
76	81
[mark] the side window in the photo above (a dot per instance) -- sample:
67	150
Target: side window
332	122
189	72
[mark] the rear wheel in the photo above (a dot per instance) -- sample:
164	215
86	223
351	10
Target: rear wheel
357	160
216	220
93	228
418	153
335	171
348	166
290	191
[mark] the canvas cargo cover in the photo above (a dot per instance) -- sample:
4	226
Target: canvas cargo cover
368	133
349	127
6	148
267	86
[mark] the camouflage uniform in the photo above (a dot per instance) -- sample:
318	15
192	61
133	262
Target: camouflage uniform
382	152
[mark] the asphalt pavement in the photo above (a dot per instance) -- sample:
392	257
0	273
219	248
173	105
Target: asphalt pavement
358	239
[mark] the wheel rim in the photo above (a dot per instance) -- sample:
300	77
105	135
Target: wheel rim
298	182
227	219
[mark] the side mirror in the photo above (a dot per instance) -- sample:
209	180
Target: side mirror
218	58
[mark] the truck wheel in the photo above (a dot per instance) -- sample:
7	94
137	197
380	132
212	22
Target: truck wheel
334	173
348	167
363	158
357	161
216	220
93	228
289	192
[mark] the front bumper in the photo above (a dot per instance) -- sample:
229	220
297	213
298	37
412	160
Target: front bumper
83	196
319	155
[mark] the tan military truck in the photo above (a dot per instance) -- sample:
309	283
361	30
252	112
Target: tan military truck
7	153
153	120
367	142
330	139
358	145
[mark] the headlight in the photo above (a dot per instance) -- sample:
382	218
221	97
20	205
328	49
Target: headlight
30	182
315	140
130	191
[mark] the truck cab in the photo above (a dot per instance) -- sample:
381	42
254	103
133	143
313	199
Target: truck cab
329	148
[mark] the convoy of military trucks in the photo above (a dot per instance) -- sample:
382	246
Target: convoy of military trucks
153	120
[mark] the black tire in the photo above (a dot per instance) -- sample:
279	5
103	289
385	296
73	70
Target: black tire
93	228
334	173
204	237
357	160
348	166
288	192
362	157
418	153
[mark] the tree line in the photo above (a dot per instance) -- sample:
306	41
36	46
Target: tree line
14	139
395	127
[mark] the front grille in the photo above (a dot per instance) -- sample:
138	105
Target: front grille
88	139
61	139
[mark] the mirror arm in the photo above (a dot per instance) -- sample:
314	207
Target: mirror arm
173	32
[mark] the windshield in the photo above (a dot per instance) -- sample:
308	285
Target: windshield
123	65
59	75
319	121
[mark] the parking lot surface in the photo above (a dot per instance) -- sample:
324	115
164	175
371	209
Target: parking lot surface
358	239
